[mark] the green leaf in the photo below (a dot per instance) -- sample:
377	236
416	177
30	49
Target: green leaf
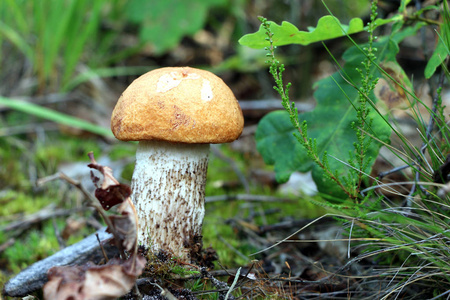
438	57
165	23
329	123
403	5
328	27
55	116
443	46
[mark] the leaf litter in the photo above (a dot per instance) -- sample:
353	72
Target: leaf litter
118	276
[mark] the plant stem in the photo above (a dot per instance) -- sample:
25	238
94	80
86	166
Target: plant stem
276	70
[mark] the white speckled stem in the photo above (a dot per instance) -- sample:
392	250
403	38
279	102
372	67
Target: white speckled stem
169	193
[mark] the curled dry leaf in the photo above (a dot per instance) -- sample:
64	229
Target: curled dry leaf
118	276
111	193
93	282
126	225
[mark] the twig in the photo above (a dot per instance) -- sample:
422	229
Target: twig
236	278
247	197
35	276
239	253
137	294
252	214
38	217
293	224
93	202
293	234
394	170
217	283
27	128
101	247
273	104
164	292
7	244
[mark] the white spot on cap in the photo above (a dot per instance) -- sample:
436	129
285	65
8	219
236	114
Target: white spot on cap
169	81
207	93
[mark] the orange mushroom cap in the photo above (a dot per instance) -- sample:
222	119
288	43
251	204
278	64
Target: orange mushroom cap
180	104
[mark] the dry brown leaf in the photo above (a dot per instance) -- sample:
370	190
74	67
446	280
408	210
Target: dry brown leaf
110	194
92	282
126	225
118	276
109	178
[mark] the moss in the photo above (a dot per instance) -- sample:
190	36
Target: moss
19	202
61	148
34	247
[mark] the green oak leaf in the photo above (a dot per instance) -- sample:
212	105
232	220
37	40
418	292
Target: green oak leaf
329	123
328	27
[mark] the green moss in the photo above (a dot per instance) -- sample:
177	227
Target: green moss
12	173
60	149
34	247
20	202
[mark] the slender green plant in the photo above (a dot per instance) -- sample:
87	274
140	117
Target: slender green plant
358	160
56	37
276	69
410	238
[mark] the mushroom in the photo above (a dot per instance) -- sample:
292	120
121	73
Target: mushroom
174	113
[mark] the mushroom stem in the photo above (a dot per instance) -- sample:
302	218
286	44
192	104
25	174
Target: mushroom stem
169	194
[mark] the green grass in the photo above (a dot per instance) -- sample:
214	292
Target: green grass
53	115
46	31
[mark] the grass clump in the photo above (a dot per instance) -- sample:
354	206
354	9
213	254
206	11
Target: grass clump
410	236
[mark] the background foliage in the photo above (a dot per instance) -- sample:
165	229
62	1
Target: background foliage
63	65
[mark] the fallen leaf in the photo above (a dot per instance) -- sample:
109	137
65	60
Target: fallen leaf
110	194
113	195
93	282
126	225
106	171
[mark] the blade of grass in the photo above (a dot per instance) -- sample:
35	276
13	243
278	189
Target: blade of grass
17	15
55	32
39	30
55	116
83	30
17	40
